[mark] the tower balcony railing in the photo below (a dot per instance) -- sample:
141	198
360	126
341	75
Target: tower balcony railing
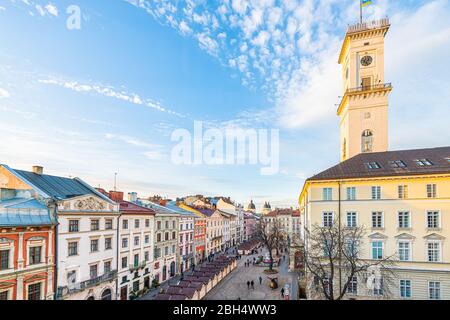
376	24
370	88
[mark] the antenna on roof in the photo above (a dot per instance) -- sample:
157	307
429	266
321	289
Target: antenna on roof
115	181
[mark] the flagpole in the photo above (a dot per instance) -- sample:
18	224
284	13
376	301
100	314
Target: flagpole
360	11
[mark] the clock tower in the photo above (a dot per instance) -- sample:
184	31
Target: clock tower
363	110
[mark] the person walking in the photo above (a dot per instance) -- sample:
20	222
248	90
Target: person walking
282	293
260	280
252	284
248	285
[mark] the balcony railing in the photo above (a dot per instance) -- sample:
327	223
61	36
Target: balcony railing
80	286
369	25
137	266
371	87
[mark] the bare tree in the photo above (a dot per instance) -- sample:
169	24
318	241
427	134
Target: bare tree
268	233
333	257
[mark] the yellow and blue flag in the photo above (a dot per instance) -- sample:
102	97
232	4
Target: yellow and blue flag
366	2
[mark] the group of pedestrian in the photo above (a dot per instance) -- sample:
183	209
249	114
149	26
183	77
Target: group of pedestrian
251	284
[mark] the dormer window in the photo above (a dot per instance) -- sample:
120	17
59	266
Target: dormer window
447	159
373	165
397	164
423	162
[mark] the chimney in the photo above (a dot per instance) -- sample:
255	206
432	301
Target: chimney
116	196
38	169
132	197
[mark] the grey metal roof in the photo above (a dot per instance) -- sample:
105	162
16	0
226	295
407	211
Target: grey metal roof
56	187
357	167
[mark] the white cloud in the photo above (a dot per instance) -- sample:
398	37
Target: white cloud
108	92
4	93
130	140
290	47
52	9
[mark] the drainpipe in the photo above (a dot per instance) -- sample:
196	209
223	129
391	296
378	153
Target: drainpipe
56	250
339	239
117	255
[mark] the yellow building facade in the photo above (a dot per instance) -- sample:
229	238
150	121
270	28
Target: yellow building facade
400	198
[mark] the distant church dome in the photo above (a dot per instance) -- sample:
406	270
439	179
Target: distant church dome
251	206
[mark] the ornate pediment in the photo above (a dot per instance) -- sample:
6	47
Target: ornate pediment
405	236
377	235
434	236
90	204
86	203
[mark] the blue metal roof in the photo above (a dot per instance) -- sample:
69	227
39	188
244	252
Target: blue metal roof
172	205
24	212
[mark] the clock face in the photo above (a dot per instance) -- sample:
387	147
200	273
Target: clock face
366	61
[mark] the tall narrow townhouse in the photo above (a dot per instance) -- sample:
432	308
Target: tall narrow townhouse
186	230
85	235
236	220
27	245
166	250
135	248
200	223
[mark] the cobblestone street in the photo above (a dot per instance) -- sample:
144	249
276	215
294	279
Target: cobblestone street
234	286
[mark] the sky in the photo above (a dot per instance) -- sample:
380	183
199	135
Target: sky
106	97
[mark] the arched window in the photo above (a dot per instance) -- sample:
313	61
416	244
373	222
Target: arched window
367	141
106	295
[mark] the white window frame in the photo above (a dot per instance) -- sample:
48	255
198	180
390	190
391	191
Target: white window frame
382	249
403	191
382	219
439	219
351	193
439	242
327	194
376	191
429	289
433	191
409	242
323	218
409	219
356	218
400	289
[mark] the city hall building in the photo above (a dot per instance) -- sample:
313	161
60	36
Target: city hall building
401	198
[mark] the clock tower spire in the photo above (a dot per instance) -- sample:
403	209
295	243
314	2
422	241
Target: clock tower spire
363	110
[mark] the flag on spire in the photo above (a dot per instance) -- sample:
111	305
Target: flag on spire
366	2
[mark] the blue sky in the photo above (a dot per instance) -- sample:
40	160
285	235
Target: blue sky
107	97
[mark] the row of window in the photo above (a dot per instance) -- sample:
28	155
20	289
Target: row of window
402	191
136	260
404	250
137	223
166	225
35	256
34	292
433	219
93	272
167	251
187	237
166	236
74	225
73	246
186	226
405	289
187	249
136	241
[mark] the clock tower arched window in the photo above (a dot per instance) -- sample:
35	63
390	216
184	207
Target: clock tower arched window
367	141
